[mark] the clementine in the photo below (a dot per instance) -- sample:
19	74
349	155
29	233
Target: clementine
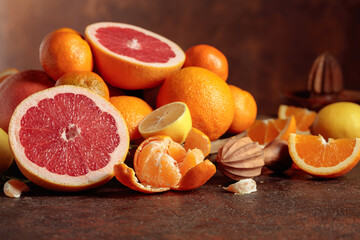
208	57
207	96
64	50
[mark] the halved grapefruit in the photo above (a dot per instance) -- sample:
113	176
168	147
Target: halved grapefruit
131	57
68	138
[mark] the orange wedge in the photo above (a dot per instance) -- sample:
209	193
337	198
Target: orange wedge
264	131
303	116
327	159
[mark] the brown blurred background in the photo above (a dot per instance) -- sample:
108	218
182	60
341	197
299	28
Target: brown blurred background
270	45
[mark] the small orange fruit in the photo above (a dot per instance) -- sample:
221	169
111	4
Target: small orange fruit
303	116
134	110
245	110
327	159
162	164
86	79
64	50
264	131
208	57
207	96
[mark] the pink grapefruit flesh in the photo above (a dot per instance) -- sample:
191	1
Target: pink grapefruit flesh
68	138
131	57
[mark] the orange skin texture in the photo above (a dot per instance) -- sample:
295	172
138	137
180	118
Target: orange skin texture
85	79
134	110
16	88
245	110
64	50
207	96
208	57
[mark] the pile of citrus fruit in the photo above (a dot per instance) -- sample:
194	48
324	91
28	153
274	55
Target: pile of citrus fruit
70	125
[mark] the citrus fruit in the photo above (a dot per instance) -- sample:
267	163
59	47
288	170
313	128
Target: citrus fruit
16	88
264	131
162	164
303	116
207	96
328	159
208	57
198	139
6	73
172	120
245	110
86	79
64	50
338	120
68	138
131	57
6	157
134	110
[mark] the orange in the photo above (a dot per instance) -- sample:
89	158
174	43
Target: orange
162	164
64	50
68	138
264	131
130	57
207	96
89	80
303	116
134	110
6	73
327	159
208	57
245	110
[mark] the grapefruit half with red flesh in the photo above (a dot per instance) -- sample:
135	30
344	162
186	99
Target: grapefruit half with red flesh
131	57
68	138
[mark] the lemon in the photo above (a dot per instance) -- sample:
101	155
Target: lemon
6	156
173	120
338	120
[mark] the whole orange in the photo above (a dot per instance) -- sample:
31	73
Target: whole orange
86	79
207	96
245	110
134	110
64	50
208	57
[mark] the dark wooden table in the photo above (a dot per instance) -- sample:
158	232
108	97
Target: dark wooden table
293	205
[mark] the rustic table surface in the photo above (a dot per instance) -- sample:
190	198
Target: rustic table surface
292	205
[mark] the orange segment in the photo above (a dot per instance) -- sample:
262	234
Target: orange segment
264	131
329	159
198	139
192	158
303	116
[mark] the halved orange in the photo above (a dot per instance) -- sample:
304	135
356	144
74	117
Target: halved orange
303	116
327	159
264	131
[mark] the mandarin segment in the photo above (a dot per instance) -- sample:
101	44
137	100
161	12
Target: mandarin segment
198	139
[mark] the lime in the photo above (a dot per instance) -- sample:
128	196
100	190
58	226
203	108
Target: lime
338	120
173	120
6	156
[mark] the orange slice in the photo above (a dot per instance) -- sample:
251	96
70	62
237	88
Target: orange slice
264	131
303	116
328	159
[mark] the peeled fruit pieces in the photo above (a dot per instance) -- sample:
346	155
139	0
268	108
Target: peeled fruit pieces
131	57
338	120
207	96
16	88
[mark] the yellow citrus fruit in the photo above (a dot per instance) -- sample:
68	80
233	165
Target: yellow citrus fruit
338	120
6	157
172	120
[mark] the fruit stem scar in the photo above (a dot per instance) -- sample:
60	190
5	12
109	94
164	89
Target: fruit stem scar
71	132
134	44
